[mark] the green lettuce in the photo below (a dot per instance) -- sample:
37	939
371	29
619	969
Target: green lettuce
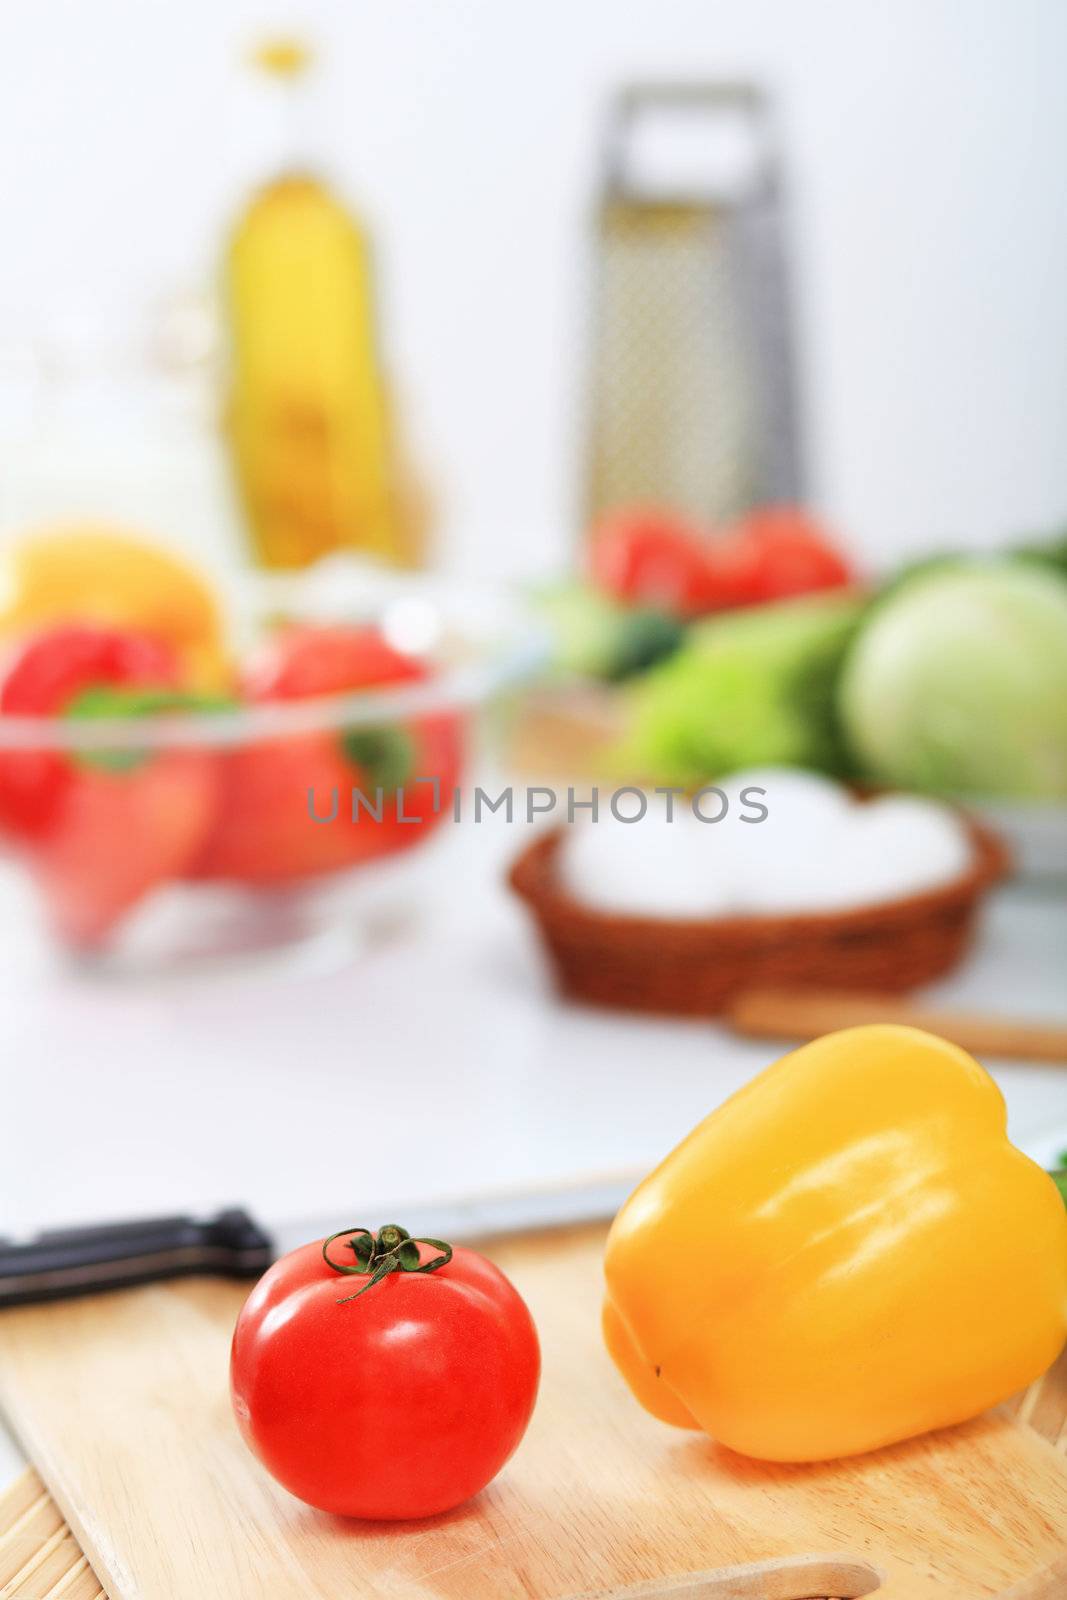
748	688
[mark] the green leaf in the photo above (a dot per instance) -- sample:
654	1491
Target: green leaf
362	1247
109	702
750	688
385	756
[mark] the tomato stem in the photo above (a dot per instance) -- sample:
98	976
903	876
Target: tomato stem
391	1249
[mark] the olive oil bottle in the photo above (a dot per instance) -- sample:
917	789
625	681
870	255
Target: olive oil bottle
307	416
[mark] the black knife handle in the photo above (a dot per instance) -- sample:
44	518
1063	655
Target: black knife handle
116	1255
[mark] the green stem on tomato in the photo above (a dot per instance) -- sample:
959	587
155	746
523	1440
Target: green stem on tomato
391	1249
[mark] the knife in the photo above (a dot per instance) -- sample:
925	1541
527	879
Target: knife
65	1262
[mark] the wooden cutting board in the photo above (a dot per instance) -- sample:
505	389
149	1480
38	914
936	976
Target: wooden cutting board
121	1403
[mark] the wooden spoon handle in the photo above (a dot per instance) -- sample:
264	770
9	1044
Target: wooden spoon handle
804	1014
1051	1584
785	1578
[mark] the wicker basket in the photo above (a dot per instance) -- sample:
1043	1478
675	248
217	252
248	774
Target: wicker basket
695	968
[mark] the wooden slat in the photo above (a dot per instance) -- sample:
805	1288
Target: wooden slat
22	1540
39	1557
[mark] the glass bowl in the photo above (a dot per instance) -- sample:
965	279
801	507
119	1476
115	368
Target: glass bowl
282	828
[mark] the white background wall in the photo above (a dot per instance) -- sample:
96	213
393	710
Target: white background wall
926	144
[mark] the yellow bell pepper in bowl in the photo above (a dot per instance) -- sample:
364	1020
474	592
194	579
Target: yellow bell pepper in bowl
846	1253
86	572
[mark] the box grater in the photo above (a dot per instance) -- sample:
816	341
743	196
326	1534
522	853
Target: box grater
692	398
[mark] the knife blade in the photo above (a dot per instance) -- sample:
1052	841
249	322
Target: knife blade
62	1263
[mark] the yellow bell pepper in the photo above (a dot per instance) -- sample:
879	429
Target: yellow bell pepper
84	572
847	1253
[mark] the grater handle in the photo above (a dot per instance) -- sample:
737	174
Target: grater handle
726	98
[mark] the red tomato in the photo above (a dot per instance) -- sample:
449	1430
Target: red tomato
44	674
50	668
653	558
773	553
265	832
309	660
99	833
118	835
402	1402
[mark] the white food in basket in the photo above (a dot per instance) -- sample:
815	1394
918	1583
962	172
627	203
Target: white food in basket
818	850
646	868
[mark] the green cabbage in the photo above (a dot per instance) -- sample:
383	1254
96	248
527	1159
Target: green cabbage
958	683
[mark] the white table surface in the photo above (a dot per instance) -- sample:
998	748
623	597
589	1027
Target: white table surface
435	1064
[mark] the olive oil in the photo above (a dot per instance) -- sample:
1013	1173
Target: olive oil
307	415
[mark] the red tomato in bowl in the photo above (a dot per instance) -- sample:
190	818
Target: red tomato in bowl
325	658
100	831
117	837
399	1403
43	674
265	832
